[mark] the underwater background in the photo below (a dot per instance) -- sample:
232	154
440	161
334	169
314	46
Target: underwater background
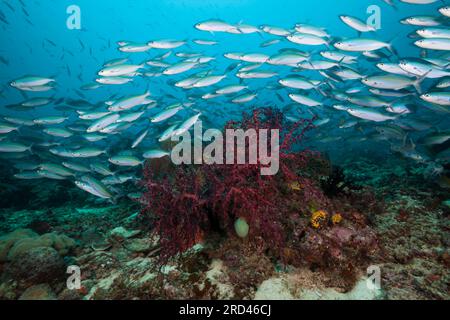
100	194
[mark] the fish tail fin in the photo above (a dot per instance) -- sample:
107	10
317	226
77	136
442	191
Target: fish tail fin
405	137
30	149
340	62
417	86
392	50
331	85
390	46
114	199
323	93
308	60
390	104
413	145
418	82
187	43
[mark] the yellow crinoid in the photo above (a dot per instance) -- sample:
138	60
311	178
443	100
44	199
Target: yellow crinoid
318	218
296	186
336	218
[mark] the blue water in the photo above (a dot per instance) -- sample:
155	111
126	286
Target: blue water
105	22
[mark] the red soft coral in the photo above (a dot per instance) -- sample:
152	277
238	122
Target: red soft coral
193	200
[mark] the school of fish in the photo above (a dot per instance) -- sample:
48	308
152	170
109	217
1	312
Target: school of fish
358	86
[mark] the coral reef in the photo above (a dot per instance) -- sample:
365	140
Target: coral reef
22	240
31	259
37	265
288	217
415	258
198	238
413	261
